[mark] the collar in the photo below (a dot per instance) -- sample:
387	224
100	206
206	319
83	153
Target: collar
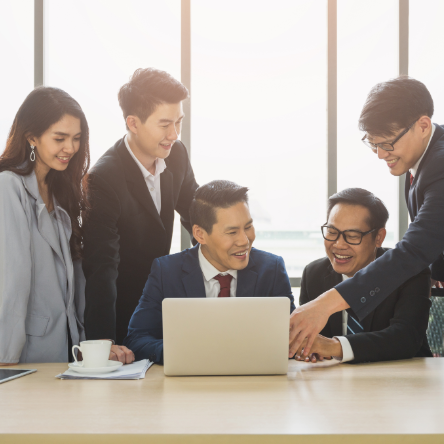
414	168
208	270
160	163
31	185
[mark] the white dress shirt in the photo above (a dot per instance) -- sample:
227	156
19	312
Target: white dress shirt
212	286
347	351
414	168
152	181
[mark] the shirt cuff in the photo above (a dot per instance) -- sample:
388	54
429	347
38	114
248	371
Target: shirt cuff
347	351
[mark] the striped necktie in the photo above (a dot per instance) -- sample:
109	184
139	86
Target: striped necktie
353	326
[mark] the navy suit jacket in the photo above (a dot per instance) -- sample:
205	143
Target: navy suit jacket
396	329
180	276
422	244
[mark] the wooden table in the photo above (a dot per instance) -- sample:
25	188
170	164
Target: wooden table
397	401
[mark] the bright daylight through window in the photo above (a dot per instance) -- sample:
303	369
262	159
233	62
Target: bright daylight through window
258	93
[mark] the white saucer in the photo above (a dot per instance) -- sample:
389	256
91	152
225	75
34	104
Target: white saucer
111	366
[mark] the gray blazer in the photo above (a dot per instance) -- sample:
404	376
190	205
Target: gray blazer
41	289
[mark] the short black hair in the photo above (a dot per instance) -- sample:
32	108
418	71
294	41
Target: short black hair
212	196
148	88
394	105
357	196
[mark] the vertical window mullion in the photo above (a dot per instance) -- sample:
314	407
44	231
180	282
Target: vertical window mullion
403	70
332	91
38	43
186	80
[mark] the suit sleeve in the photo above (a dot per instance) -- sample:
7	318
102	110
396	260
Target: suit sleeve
407	330
282	285
421	245
101	260
145	333
15	271
189	186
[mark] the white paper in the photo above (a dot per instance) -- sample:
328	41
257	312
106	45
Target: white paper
136	370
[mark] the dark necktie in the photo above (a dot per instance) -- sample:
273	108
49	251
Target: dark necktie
411	179
353	326
225	282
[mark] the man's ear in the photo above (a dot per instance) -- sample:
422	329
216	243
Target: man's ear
199	234
380	236
133	122
425	124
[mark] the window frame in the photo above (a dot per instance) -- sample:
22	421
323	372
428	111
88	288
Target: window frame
331	146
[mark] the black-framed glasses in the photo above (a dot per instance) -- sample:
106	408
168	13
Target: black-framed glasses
386	146
352	237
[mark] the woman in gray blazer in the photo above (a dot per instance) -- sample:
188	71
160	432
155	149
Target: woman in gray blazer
41	199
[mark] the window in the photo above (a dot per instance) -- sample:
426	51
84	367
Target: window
258	92
93	47
17	55
258	100
425	65
367	55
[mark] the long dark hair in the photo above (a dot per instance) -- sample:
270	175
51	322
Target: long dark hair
42	108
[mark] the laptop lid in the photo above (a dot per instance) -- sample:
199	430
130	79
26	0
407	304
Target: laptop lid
226	336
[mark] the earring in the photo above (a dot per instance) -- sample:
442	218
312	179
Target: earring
32	156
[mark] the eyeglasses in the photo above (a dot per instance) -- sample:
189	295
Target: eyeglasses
386	146
352	237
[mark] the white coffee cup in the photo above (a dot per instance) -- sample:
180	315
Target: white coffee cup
95	353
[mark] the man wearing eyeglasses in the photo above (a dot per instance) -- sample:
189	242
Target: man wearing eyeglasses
397	121
396	328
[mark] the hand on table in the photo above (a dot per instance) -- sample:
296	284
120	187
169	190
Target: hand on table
322	348
313	358
309	319
122	354
5	364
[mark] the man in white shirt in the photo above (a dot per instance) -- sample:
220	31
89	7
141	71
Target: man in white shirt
396	329
223	264
134	189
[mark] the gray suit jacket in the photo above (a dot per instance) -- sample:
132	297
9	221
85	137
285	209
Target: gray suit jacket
36	310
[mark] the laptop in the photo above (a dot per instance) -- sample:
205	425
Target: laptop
225	336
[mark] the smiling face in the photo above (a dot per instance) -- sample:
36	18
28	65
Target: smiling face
229	245
58	144
154	138
345	258
408	149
